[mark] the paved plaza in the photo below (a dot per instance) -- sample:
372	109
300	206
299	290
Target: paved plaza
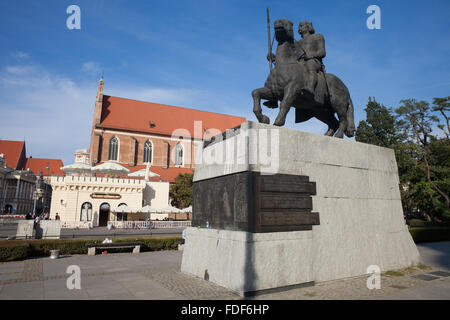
156	275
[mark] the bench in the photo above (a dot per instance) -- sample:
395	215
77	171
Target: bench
92	247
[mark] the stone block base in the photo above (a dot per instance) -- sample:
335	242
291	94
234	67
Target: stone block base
252	263
248	263
357	198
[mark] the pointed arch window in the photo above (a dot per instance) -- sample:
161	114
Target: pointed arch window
86	212
148	151
113	149
179	155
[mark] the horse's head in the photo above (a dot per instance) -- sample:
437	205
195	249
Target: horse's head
283	30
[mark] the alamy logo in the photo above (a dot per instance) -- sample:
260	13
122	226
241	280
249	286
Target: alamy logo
74	280
374	20
74	20
235	149
374	281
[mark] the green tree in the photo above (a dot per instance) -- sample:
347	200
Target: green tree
440	169
440	149
379	126
415	122
422	158
442	105
181	191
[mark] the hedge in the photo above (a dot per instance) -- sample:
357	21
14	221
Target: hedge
155	244
14	252
21	249
430	234
421	223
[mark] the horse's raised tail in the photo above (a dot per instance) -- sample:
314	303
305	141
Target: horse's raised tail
350	131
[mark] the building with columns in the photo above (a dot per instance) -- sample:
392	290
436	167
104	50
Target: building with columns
24	188
94	199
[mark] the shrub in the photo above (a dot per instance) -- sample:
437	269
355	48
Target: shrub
21	249
14	252
446	216
155	244
41	248
417	223
430	234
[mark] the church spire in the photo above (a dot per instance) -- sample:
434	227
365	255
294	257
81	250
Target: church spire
95	138
100	90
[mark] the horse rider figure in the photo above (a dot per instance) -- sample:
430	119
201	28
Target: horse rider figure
299	81
313	46
311	51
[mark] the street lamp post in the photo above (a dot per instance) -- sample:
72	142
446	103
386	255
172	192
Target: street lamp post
34	203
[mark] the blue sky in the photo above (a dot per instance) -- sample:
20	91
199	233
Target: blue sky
207	55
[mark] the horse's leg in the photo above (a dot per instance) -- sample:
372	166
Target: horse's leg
290	92
342	115
330	132
258	94
342	105
329	119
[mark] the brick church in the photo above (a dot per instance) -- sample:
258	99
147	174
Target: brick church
134	133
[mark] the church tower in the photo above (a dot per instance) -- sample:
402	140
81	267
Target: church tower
95	144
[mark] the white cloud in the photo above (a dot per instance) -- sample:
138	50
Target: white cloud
91	68
52	112
183	97
21	55
19	70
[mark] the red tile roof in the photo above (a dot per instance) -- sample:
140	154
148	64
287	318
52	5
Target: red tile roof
133	115
14	152
37	165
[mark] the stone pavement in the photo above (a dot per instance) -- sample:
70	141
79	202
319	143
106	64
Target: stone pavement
156	275
148	275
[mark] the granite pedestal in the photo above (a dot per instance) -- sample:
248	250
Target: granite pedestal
48	229
359	219
25	229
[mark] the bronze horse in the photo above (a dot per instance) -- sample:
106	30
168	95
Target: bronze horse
285	83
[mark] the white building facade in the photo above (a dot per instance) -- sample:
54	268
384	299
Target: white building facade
94	199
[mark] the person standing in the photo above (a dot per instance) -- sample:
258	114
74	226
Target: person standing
37	220
183	236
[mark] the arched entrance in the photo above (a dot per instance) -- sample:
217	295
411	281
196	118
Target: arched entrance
104	214
8	209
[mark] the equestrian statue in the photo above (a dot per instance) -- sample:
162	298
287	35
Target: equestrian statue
298	79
